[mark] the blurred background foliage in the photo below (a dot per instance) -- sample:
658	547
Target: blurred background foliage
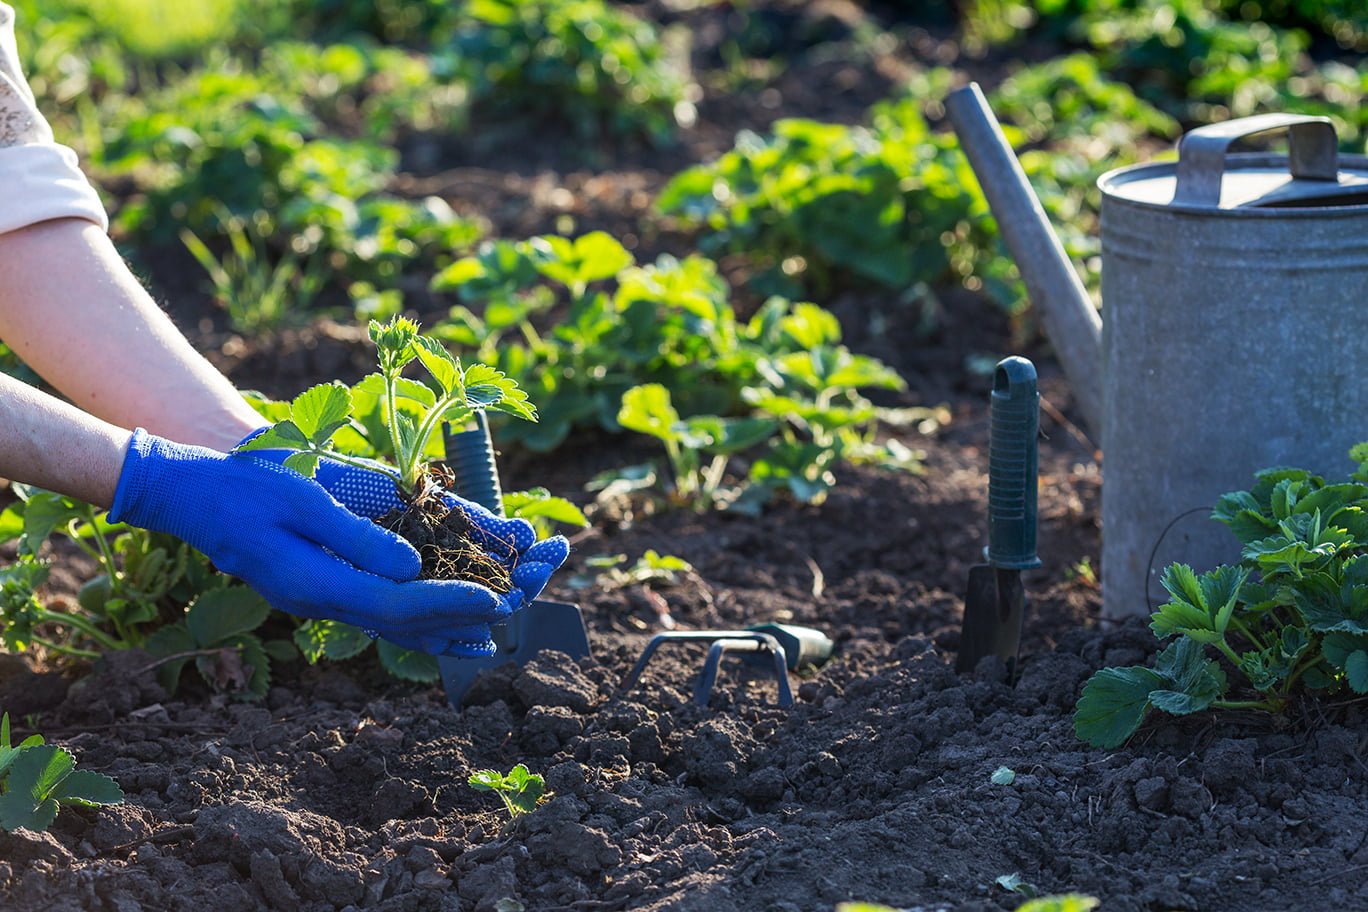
297	118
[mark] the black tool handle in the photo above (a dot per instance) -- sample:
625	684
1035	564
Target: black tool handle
1013	466
470	456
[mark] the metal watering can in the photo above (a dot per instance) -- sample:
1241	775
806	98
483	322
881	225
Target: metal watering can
1233	288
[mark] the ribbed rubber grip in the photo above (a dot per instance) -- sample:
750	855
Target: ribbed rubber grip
470	456
1013	466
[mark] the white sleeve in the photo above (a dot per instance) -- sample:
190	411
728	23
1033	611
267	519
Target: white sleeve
39	179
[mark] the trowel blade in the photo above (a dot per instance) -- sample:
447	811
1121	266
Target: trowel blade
994	609
544	624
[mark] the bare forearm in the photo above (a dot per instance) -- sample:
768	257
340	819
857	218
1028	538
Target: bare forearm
72	310
51	444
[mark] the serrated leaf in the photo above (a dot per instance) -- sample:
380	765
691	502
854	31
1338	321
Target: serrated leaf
523	505
333	640
486	780
221	614
45	512
88	788
1337	647
440	364
407	664
33	776
170	640
647	409
1356	671
281	436
305	464
1114	703
320	410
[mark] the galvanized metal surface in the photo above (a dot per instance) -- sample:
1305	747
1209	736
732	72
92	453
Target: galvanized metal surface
1233	340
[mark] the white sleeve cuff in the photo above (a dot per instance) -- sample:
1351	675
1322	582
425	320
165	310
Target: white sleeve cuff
42	181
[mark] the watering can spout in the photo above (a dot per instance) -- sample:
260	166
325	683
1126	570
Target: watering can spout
1071	321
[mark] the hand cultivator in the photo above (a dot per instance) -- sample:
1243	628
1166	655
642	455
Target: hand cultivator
543	624
783	647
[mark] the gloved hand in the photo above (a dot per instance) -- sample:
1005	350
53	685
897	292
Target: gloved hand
512	541
304	552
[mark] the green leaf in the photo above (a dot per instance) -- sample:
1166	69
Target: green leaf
88	788
1003	775
486	780
533	505
1338	646
1114	703
407	664
1193	681
1067	902
488	387
319	411
284	435
170	640
305	464
219	615
441	365
1356	671
33	776
1200	608
332	640
1015	883
647	409
45	512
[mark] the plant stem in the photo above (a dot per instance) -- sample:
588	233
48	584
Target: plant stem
434	415
111	567
1247	633
1227	652
75	651
392	421
1264	705
81	624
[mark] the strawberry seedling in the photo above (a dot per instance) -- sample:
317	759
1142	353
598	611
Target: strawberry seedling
392	412
36	780
520	789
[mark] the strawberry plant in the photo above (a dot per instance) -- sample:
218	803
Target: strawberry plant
814	205
218	635
37	780
519	788
406	415
143	579
593	67
1287	623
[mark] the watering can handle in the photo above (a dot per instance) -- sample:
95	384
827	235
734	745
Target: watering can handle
1313	153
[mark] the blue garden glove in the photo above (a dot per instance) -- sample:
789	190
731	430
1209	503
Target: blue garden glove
512	541
299	548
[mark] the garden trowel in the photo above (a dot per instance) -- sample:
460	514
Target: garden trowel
541	625
995	603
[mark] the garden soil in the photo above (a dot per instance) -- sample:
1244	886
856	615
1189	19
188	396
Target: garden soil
345	789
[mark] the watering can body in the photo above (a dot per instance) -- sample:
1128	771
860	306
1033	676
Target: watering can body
1233	291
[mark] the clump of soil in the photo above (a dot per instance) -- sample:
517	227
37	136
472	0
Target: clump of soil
442	536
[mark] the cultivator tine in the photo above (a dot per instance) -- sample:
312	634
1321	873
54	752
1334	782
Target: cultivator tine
765	647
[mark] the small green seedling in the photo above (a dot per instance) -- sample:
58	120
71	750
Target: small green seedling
404	414
520	789
36	780
1004	775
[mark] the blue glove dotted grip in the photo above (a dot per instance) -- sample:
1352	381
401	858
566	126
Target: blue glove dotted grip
306	554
